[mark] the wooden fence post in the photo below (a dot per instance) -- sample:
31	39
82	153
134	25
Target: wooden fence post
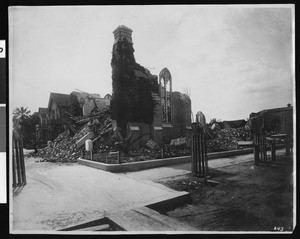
287	147
273	150
18	164
14	165
264	147
199	153
22	163
256	148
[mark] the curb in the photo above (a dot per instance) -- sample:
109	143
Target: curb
136	166
230	153
171	203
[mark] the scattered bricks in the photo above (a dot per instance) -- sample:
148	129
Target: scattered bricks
64	148
180	142
150	144
228	139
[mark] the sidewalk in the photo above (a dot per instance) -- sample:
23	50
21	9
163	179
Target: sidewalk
154	174
58	196
180	169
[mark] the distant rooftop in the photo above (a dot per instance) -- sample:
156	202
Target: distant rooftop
43	110
280	109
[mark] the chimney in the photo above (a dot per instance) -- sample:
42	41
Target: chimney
122	32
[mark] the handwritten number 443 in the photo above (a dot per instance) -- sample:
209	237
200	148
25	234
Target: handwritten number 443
280	229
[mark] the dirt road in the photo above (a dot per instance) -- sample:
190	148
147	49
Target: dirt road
247	198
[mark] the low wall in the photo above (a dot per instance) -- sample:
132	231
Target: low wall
230	153
135	166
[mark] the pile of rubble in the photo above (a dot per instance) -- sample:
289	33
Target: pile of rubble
174	151
182	142
227	139
235	134
64	147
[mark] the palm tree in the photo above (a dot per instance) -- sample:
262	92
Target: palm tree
20	113
19	116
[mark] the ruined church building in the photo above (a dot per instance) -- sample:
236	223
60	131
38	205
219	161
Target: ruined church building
172	117
172	112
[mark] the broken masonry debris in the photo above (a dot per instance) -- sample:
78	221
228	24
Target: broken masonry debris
67	148
180	142
151	144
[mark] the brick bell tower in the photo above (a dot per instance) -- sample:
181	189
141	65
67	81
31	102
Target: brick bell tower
122	32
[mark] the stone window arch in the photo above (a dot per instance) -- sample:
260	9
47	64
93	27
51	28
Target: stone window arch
165	86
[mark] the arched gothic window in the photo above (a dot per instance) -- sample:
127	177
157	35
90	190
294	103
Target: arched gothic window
165	83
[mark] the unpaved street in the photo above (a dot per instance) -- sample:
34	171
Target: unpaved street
247	198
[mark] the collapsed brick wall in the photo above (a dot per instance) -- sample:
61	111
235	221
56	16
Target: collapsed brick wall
64	148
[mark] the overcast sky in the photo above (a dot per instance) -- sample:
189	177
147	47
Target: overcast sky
235	59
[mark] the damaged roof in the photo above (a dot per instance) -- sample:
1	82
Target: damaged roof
62	100
273	110
235	123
